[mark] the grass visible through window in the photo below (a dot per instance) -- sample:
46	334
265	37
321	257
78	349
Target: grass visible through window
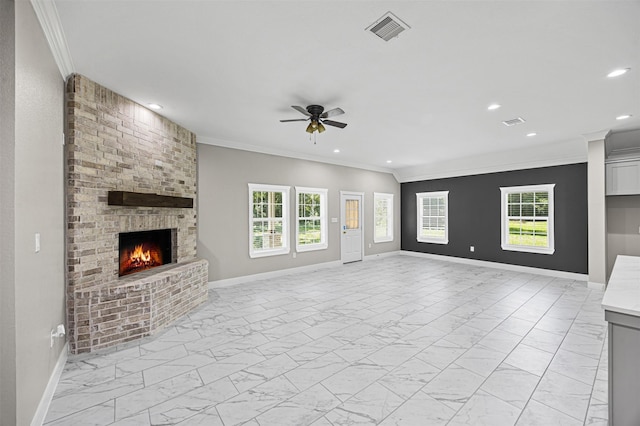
528	233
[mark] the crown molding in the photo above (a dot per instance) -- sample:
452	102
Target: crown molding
596	136
49	19
290	154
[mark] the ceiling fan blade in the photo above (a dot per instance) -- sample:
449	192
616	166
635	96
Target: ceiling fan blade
295	119
332	113
301	110
335	123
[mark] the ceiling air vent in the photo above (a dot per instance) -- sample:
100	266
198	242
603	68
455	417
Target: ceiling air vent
513	121
388	26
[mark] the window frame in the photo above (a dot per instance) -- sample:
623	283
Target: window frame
504	218
419	219
286	248
379	196
323	244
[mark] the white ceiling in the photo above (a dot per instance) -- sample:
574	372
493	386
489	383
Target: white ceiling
230	70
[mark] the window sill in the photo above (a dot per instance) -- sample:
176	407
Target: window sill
311	247
424	240
382	240
266	253
526	249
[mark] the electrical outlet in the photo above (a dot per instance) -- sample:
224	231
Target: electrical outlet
369	245
37	242
294	254
472	249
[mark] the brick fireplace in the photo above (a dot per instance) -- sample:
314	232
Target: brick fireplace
114	144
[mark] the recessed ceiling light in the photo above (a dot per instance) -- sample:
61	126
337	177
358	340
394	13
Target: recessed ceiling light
493	107
618	72
336	151
531	134
389	161
155	106
623	117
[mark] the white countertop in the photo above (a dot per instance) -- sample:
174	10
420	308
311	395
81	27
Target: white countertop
623	291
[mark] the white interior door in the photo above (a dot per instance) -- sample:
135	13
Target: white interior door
351	237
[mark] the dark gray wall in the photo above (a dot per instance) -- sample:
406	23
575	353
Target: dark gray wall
474	217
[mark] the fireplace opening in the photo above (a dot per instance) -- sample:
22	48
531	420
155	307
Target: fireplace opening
144	250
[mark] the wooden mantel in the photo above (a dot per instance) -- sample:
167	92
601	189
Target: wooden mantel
140	199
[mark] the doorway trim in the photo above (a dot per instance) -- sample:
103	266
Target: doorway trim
342	224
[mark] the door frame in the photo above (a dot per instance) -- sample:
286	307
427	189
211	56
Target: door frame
342	224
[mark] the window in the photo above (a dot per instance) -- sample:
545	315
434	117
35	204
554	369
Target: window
382	217
433	217
268	220
527	218
311	219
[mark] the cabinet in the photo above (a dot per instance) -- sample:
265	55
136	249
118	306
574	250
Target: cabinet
622	312
623	177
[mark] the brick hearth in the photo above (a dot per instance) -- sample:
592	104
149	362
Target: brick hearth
114	144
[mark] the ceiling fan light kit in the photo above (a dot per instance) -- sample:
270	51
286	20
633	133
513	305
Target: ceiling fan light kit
317	117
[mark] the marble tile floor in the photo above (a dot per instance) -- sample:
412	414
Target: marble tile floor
400	340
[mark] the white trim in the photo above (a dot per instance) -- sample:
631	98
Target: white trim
288	154
382	255
228	282
390	210
286	244
324	222
335	263
49	19
434	194
600	135
481	170
47	396
504	219
342	220
498	265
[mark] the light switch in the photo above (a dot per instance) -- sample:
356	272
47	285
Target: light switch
334	220
37	242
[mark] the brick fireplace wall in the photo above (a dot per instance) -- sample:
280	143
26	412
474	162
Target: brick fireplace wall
112	143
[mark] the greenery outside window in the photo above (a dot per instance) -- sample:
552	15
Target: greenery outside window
433	217
268	220
527	218
311	219
382	217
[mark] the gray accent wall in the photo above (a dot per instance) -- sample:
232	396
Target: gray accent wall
474	217
33	296
223	212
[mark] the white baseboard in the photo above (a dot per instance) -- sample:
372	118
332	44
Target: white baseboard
596	286
381	255
516	268
47	396
497	265
272	274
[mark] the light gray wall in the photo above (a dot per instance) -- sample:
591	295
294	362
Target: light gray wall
7	217
623	227
597	211
39	203
223	216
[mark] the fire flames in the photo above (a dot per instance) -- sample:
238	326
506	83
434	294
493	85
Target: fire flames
138	259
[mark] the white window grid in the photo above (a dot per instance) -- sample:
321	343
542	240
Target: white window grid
382	217
316	213
433	217
268	220
529	209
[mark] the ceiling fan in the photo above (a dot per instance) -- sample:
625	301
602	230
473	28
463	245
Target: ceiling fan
318	116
